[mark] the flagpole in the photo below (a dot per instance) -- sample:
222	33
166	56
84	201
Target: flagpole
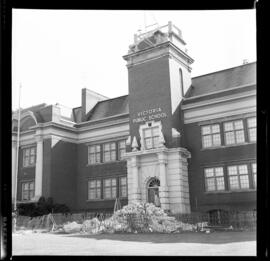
144	20
17	158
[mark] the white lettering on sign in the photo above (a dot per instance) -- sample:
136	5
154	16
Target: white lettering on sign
149	115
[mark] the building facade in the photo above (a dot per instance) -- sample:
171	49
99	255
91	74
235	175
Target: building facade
190	141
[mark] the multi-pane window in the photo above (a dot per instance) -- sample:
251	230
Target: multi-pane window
121	149
109	190
211	136
252	127
109	152
214	179
123	187
254	174
151	137
93	154
238	177
234	132
29	157
28	190
94	189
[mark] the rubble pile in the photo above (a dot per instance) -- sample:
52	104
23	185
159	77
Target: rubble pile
133	218
72	227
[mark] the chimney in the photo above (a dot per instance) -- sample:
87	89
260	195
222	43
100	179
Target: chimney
89	100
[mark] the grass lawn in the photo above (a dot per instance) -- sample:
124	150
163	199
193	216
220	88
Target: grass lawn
184	244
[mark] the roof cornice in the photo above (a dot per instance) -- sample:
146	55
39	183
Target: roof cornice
217	92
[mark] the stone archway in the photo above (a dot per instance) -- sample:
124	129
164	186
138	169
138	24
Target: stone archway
152	189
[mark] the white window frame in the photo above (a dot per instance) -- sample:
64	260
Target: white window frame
252	128
238	175
28	191
211	134
145	126
109	151
214	177
254	174
95	153
234	131
111	187
123	186
121	148
96	189
32	153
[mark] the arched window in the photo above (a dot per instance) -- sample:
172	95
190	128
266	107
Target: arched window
153	189
154	182
181	82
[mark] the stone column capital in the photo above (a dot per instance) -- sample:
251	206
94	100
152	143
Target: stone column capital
39	138
162	158
185	153
134	161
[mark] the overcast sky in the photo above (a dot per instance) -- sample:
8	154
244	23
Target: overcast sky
56	53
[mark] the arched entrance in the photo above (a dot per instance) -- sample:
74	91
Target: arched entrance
153	189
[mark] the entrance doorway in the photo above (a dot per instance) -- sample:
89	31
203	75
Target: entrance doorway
153	189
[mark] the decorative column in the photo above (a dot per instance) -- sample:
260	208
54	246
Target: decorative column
184	180
14	156
163	189
39	167
135	175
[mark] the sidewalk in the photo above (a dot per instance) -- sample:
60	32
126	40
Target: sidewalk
185	244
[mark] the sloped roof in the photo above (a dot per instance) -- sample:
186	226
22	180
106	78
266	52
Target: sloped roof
36	110
77	114
201	85
222	80
108	108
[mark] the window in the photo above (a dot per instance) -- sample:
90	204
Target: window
151	137
28	190
214	179
109	152
211	136
29	157
94	189
121	149
234	132
123	187
93	154
254	174
238	177
252	127
110	188
181	82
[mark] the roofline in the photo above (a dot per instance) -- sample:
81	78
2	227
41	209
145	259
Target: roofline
166	44
218	100
97	94
210	93
102	119
76	107
223	70
28	108
112	98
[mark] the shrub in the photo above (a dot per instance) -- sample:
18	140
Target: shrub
42	207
